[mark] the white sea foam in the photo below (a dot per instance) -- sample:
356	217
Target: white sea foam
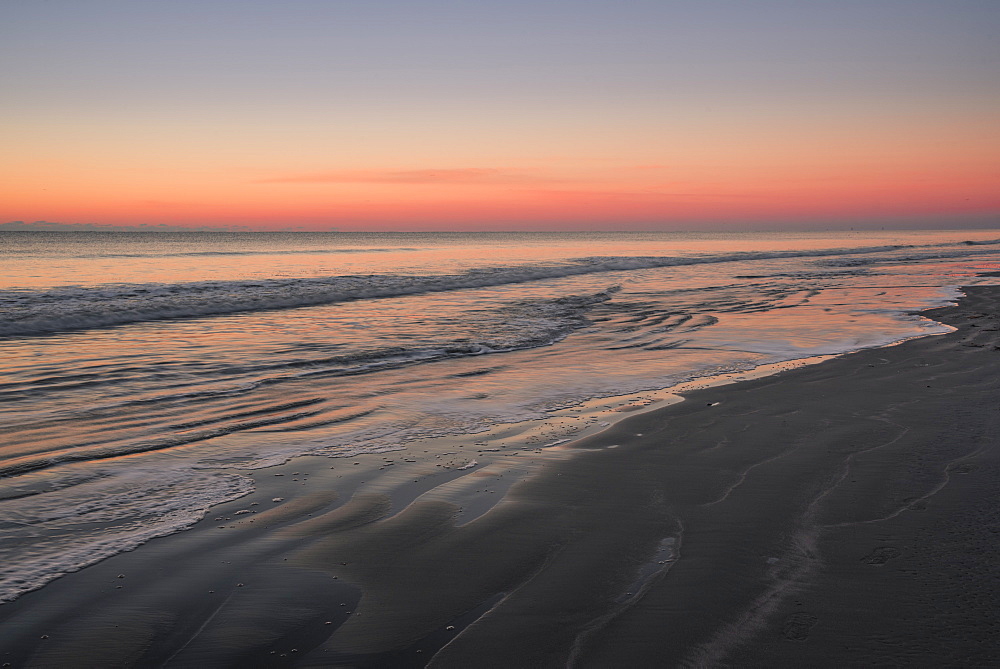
28	312
64	529
919	257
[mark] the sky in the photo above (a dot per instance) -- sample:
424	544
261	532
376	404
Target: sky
501	115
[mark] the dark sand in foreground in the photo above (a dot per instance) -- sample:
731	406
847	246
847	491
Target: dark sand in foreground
842	514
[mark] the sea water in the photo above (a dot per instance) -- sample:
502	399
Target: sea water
142	374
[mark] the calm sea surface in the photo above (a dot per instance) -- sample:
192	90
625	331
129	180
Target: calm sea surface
141	372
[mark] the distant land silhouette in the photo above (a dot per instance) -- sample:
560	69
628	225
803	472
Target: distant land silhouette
50	226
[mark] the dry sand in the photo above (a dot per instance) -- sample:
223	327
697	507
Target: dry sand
841	514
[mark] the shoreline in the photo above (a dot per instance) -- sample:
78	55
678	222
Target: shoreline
770	502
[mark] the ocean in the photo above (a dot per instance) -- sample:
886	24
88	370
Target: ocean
143	375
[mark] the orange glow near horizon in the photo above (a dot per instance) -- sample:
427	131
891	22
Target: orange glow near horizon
487	197
730	121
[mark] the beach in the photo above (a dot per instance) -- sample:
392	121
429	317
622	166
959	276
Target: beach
836	514
486	335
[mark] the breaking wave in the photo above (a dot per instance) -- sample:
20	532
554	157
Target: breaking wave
79	308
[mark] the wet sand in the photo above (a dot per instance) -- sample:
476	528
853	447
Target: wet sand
840	514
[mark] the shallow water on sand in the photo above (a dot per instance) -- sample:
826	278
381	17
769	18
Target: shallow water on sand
142	372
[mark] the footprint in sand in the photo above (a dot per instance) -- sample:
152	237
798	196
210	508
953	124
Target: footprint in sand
797	626
881	555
